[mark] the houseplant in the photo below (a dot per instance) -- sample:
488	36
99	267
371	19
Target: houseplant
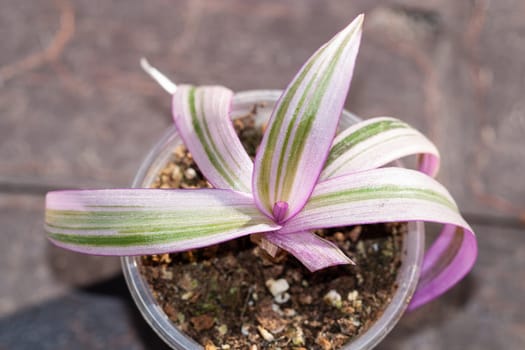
152	309
302	179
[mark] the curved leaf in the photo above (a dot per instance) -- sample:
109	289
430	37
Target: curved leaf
303	124
202	116
377	195
392	195
312	251
149	221
447	261
376	142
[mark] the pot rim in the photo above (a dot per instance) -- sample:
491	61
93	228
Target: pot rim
408	274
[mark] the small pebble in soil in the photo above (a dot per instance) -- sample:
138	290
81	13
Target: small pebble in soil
277	309
190	174
265	334
245	329
282	298
186	296
352	296
323	342
210	346
222	329
333	298
298	337
339	236
277	287
289	312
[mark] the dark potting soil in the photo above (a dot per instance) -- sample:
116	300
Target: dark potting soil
235	296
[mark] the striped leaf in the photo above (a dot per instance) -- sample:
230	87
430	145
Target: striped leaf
303	124
392	195
150	221
314	252
376	142
202	117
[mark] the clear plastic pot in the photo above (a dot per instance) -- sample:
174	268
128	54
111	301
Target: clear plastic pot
407	279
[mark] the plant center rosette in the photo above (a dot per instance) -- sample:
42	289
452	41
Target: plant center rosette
303	178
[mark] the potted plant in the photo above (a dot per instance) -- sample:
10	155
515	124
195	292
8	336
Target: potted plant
303	181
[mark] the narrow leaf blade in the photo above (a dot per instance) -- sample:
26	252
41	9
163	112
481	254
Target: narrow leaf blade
303	124
447	261
377	195
376	142
393	195
149	221
314	252
202	116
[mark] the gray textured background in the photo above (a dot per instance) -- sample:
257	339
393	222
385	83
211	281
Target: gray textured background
76	111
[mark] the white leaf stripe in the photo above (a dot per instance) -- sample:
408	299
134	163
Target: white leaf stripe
359	133
149	243
393	195
299	129
140	221
263	179
378	195
377	142
202	118
201	122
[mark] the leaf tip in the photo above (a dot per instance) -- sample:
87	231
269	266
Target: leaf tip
359	20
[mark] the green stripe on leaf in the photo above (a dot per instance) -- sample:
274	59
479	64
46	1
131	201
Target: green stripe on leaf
380	192
361	135
129	240
206	140
275	129
305	125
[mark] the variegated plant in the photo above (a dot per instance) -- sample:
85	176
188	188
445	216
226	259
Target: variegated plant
303	178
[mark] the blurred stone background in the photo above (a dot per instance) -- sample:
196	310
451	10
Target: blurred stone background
76	111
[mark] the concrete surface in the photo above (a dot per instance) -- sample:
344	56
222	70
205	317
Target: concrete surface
77	112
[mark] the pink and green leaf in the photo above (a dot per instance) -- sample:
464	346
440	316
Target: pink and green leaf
150	221
202	117
377	142
393	195
314	252
303	124
377	195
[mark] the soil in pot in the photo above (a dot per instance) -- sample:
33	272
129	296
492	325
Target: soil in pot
235	296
